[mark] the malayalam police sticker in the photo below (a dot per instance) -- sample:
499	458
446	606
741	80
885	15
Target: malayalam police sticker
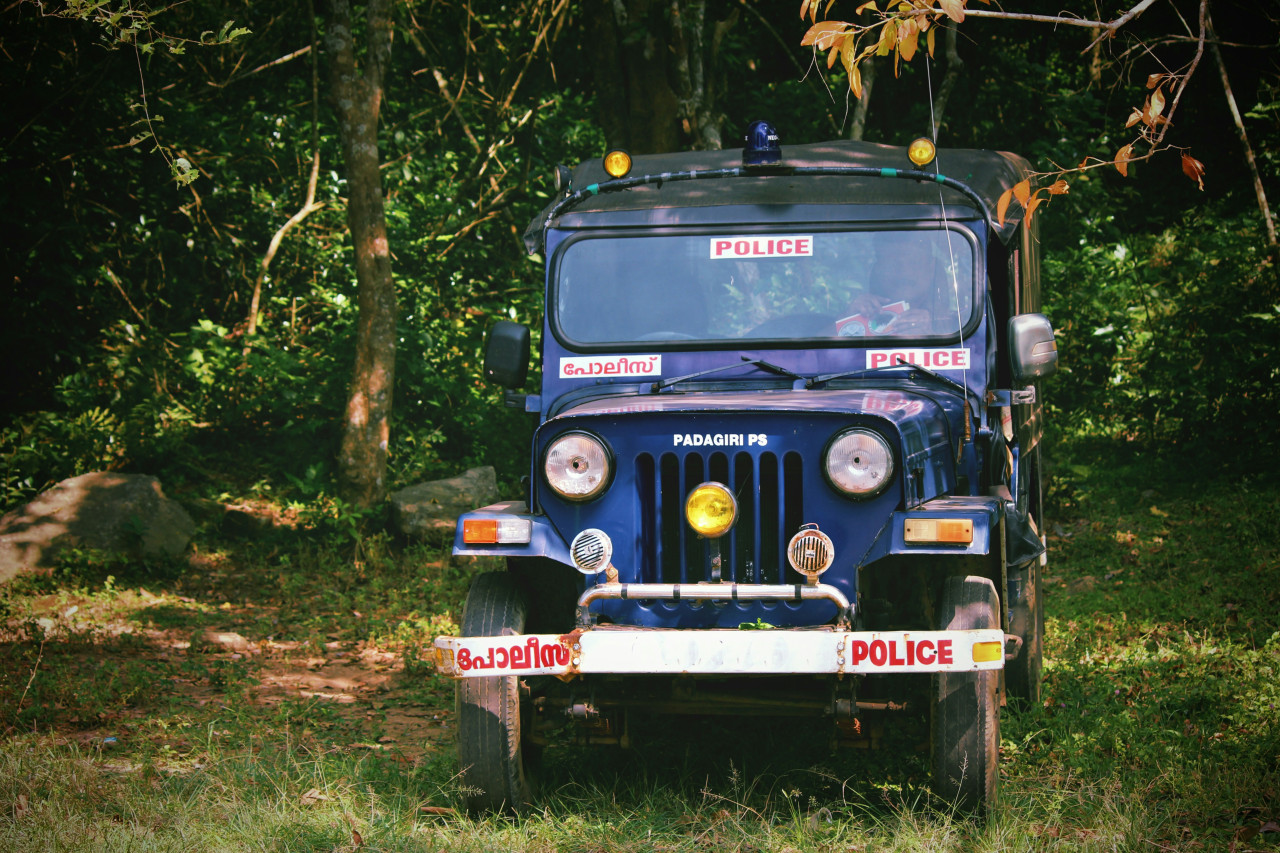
733	248
934	359
614	365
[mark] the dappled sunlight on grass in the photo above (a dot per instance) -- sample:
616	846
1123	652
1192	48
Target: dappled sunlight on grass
278	694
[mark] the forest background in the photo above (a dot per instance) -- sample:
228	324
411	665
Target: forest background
180	295
180	289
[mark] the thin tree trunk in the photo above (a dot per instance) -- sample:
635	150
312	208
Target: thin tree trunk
357	96
1244	139
308	207
656	72
954	66
863	106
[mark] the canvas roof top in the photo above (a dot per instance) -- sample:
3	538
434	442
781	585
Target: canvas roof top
987	173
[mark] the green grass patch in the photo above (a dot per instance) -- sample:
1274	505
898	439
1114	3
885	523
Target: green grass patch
276	695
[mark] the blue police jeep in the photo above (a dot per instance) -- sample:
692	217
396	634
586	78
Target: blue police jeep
784	389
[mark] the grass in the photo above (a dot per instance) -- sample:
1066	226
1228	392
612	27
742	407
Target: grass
271	695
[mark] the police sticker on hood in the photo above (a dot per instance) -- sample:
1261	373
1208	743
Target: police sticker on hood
934	359
724	248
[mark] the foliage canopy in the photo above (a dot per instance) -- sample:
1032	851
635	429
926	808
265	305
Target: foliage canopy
128	294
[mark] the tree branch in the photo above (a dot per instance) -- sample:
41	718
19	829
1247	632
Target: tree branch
1258	189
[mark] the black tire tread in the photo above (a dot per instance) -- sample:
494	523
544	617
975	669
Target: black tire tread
966	705
489	751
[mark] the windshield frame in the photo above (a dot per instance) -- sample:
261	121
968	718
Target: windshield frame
960	228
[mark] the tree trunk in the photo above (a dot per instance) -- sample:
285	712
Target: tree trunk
954	66
657	67
357	98
863	107
1258	190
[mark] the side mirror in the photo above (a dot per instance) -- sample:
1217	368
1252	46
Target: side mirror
506	354
1033	352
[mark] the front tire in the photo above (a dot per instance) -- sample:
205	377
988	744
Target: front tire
489	709
966	705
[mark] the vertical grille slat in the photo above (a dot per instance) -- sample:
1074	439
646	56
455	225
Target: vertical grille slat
769	491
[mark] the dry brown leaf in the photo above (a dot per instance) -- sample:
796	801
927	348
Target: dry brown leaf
821	35
954	9
1157	103
888	39
1193	169
907	44
1002	205
1122	159
1036	201
436	810
310	798
1022	192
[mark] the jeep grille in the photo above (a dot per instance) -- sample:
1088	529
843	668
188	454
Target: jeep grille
770	509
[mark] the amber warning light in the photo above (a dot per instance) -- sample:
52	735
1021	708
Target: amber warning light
497	531
952	531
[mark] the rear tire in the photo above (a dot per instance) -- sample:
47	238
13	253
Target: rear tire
489	709
1026	620
966	705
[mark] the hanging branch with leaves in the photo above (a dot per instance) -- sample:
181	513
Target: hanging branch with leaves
905	27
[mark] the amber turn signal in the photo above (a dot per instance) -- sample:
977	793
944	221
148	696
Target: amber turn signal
617	163
952	531
921	151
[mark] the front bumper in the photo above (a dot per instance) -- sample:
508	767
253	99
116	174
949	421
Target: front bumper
633	651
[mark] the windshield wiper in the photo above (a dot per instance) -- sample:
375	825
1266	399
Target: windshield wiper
858	374
756	362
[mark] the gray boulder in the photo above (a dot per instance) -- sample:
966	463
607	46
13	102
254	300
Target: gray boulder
432	509
121	513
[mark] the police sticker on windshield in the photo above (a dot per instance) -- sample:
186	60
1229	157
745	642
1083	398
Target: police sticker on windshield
614	365
732	248
934	359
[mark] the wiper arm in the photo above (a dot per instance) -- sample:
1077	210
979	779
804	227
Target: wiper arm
853	374
856	374
757	362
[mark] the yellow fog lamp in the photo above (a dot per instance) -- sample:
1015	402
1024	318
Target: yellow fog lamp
711	510
987	652
921	151
946	531
617	163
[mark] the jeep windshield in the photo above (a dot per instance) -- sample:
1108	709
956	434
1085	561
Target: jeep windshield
794	284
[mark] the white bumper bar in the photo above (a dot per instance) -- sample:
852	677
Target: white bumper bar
719	652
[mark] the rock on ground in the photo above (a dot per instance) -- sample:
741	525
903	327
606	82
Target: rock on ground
122	513
433	508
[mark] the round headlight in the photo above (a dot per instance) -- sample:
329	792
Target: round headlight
859	463
577	466
711	510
